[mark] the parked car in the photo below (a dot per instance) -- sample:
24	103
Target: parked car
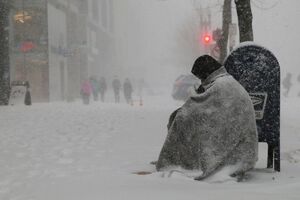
184	87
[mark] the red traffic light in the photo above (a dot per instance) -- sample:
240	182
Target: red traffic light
206	39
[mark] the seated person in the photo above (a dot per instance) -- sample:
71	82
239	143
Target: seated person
214	128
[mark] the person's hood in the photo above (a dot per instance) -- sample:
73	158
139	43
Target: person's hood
204	66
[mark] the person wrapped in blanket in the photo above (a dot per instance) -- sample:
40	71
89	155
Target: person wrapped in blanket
214	128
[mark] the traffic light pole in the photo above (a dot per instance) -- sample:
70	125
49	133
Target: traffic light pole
4	52
227	19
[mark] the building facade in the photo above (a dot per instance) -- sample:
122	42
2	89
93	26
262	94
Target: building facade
100	32
56	44
29	45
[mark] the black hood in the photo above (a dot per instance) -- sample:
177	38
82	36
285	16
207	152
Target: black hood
204	66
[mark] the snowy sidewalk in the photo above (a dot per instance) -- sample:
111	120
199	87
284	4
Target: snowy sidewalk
73	152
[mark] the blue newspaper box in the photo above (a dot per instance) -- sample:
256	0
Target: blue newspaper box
258	70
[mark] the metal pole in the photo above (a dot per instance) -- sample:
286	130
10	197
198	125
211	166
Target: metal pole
23	40
4	52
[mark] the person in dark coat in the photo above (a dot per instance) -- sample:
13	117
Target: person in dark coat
102	88
214	129
299	84
27	95
127	87
116	84
95	89
287	84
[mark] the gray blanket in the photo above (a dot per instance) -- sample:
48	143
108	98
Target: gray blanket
213	129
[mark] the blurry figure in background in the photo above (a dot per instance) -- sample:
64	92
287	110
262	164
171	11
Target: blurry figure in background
102	88
116	84
95	89
287	84
86	91
27	101
140	87
298	79
127	86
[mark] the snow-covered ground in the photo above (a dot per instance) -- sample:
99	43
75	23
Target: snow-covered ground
70	151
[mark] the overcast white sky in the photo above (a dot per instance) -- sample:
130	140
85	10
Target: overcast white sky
154	24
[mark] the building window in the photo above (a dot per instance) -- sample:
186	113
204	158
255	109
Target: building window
29	45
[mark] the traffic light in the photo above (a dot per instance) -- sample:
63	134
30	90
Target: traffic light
206	39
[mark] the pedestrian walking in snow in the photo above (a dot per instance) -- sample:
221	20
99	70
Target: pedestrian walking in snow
287	84
95	89
140	87
215	127
298	79
127	87
102	88
86	91
116	84
27	94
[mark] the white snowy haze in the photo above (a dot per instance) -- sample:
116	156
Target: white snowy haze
146	36
158	39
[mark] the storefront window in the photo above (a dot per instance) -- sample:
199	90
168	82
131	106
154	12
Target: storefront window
29	43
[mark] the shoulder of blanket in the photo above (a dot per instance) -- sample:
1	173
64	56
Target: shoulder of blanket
224	78
228	82
220	82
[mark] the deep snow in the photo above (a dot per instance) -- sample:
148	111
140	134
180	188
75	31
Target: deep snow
71	151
